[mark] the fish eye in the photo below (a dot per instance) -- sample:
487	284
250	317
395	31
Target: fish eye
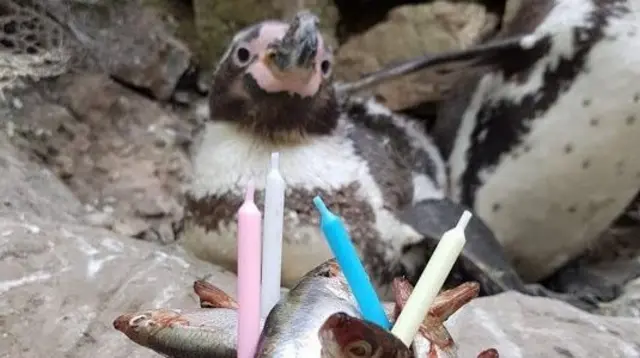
325	67
359	349
242	55
137	320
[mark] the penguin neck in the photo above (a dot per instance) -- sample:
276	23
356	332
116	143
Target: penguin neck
275	136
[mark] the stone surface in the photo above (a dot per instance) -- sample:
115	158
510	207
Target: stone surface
522	326
131	42
410	31
37	44
27	188
628	304
63	283
115	149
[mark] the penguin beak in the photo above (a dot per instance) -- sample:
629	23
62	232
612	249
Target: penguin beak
295	54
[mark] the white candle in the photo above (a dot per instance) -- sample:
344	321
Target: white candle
431	281
272	237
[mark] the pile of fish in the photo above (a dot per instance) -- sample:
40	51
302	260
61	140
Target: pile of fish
319	317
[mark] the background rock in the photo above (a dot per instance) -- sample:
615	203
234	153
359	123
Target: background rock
62	284
27	188
523	326
114	148
628	304
410	31
139	50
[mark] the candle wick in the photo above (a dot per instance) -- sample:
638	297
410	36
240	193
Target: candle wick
250	191
322	208
275	160
464	220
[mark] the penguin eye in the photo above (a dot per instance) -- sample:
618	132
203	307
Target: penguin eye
325	67
242	55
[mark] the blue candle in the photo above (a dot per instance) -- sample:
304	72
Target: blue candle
338	238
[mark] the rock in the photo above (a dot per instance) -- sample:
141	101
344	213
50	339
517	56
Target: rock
132	227
510	10
218	21
132	43
27	188
99	219
410	31
628	304
66	283
523	326
34	46
108	135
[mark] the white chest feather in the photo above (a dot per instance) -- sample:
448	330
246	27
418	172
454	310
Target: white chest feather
578	165
226	159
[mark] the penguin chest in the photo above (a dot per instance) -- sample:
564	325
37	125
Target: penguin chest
575	165
329	166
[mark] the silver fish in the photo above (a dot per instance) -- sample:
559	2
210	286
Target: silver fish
197	333
291	328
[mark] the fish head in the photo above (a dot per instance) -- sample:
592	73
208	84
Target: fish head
328	269
140	326
489	353
345	336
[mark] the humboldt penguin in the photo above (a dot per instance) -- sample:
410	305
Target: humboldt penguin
272	91
541	136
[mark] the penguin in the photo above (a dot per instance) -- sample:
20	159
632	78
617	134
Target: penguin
546	148
541	134
273	91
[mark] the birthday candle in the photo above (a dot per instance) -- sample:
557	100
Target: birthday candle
272	238
249	255
431	281
346	256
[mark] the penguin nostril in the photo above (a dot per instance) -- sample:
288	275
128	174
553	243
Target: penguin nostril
325	67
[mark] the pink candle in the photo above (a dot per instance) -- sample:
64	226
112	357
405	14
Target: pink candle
249	265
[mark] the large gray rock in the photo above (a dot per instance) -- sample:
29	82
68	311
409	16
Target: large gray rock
628	304
128	40
62	283
26	187
117	150
523	326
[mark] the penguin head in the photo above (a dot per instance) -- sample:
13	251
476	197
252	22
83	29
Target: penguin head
275	80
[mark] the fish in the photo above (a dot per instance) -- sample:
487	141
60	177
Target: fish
434	338
291	328
345	336
318	318
489	353
210	331
212	297
199	333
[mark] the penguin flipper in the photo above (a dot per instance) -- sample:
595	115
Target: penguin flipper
482	259
466	60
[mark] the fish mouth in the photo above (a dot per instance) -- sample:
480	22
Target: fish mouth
296	52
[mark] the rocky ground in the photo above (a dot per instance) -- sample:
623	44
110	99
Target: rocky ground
99	102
